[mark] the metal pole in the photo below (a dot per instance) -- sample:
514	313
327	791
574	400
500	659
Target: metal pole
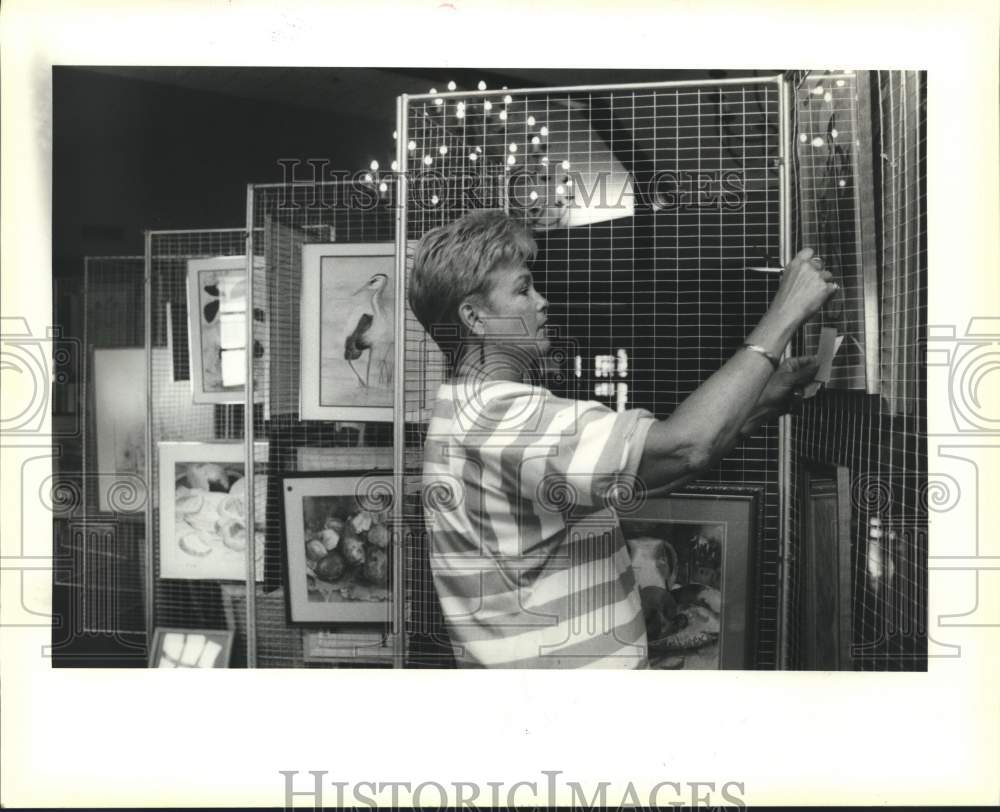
197	231
248	455
399	393
785	421
148	341
532	91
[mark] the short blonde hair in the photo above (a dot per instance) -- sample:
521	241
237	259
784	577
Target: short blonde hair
455	261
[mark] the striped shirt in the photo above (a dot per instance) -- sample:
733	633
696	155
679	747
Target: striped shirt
526	552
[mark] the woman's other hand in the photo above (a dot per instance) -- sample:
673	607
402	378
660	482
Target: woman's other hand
781	391
792	376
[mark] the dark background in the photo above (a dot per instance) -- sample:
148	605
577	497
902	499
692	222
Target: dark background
139	148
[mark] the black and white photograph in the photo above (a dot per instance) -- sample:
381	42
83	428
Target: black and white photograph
421	369
549	301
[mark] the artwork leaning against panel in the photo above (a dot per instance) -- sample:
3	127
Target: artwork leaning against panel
217	329
190	648
203	527
690	554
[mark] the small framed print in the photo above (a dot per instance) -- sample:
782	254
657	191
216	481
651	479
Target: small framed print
338	536
691	554
203	527
359	647
217	329
190	648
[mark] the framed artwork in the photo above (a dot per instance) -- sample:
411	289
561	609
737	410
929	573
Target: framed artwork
346	647
217	314
190	648
203	528
338	541
347	335
311	458
120	427
826	620
691	554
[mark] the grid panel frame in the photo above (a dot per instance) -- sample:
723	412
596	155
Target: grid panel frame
698	130
174	417
879	438
284	219
97	508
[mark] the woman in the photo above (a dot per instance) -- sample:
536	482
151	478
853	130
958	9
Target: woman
526	553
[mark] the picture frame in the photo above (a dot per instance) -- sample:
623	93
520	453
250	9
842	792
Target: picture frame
216	311
825	567
327	460
119	398
190	648
201	511
347	331
360	647
338	546
692	554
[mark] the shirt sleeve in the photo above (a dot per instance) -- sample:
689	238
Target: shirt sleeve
577	452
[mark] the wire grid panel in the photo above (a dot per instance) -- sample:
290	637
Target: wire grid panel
286	219
202	442
832	127
107	537
882	440
650	205
901	133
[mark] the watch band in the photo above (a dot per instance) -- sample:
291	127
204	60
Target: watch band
770	356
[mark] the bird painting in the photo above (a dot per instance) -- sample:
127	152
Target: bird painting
371	329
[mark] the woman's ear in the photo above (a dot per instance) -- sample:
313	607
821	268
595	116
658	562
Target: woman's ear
469	314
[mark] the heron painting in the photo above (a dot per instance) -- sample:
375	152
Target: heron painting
347	331
372	333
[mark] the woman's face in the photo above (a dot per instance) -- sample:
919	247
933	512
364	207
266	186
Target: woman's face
516	313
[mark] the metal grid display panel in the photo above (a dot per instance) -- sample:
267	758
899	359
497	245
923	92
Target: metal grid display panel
881	440
832	129
285	218
662	272
99	550
174	417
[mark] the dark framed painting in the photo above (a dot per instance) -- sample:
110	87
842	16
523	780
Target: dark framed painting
691	555
338	546
190	648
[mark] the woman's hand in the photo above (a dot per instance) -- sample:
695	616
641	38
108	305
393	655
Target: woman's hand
804	288
791	377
